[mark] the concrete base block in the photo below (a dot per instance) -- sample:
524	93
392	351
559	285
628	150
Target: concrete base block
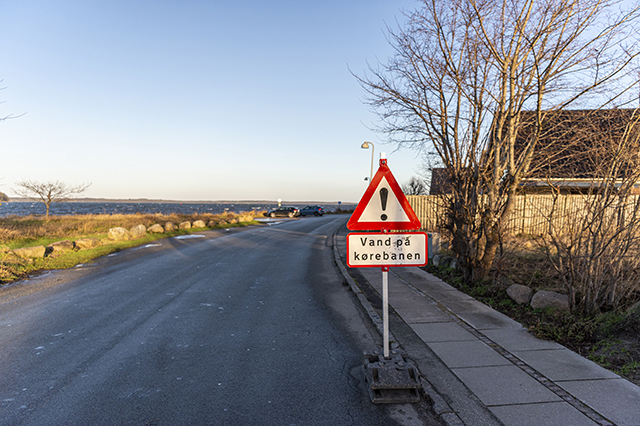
392	380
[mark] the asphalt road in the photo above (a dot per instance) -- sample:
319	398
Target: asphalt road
251	326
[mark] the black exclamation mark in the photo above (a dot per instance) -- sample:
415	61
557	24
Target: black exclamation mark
384	194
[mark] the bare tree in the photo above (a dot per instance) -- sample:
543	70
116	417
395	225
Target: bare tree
414	186
7	117
49	192
462	74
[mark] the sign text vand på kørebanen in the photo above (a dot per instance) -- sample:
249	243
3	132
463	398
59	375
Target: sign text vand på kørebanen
369	249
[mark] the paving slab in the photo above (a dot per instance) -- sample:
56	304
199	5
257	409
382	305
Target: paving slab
432	286
519	339
616	399
373	275
422	279
406	297
563	364
548	413
442	332
443	296
410	306
488	320
503	385
462	305
472	353
400	296
421	315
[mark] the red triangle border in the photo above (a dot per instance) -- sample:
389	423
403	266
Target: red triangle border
354	223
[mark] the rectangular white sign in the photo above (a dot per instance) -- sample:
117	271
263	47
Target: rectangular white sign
371	249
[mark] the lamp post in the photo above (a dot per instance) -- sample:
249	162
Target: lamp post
366	145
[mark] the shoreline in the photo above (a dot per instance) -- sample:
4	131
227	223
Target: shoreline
159	201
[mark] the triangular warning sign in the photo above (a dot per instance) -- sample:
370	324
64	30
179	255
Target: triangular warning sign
383	206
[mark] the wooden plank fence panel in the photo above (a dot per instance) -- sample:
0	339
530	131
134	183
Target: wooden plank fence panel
531	213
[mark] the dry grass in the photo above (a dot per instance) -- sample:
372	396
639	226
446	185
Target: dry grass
524	262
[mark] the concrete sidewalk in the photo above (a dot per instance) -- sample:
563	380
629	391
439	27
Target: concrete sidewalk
519	378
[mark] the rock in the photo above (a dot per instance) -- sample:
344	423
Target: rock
169	226
212	223
199	224
233	220
545	299
36	252
156	229
245	218
87	243
520	293
222	222
118	234
59	247
454	264
138	231
185	225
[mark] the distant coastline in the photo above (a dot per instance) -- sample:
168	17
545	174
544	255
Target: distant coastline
158	201
26	207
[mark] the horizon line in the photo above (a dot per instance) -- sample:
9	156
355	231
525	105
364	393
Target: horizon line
153	200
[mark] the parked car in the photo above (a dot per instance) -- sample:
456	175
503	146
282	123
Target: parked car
284	211
311	210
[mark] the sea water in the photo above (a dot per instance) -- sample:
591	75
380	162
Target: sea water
76	208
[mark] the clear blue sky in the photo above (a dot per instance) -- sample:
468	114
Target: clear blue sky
194	100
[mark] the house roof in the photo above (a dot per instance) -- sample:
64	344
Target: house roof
572	150
576	144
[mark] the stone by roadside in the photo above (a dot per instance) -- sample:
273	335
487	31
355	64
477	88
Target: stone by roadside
520	294
30	252
87	243
542	299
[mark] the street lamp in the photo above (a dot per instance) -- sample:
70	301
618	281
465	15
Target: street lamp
366	145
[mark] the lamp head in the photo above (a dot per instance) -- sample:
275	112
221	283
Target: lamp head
366	145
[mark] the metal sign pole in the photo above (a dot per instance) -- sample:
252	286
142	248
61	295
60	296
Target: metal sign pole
385	309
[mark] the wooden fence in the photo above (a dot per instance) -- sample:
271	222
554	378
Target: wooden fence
530	215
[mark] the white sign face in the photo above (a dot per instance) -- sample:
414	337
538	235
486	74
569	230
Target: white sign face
369	249
384	206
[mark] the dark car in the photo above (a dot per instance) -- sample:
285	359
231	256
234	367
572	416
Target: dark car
284	211
311	210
